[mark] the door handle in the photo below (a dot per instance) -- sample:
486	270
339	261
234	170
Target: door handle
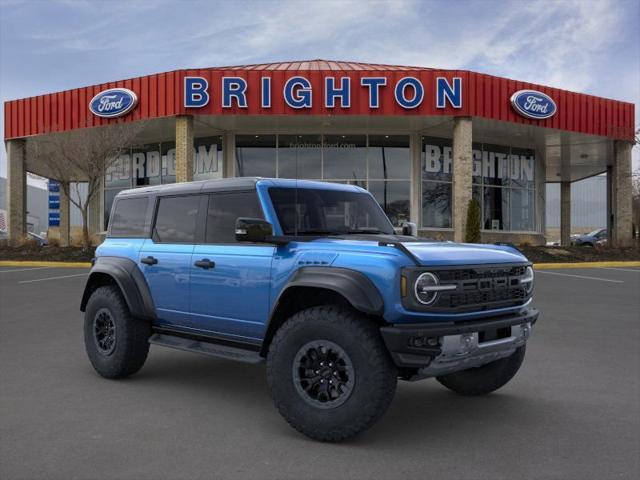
149	260
205	263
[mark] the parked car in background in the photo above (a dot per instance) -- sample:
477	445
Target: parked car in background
590	239
39	239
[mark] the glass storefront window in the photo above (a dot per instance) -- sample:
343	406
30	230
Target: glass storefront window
207	158
436	204
389	157
496	208
437	173
345	157
503	183
300	156
495	165
437	161
522	210
522	165
168	162
118	173
255	155
146	160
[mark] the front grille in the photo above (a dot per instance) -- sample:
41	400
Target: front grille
477	288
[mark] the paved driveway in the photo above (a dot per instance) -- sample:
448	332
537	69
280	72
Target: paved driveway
572	412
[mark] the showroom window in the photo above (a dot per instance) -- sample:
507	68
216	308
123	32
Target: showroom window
437	175
503	184
380	163
155	163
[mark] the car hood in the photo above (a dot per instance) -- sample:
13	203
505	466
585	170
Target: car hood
433	253
449	253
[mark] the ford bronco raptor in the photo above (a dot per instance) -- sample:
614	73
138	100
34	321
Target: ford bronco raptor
311	278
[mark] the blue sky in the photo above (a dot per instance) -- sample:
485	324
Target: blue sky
582	45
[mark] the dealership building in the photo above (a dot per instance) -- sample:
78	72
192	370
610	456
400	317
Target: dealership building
423	141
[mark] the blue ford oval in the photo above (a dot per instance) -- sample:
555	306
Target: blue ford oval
533	104
114	102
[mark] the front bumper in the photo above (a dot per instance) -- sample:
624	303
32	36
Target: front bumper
435	349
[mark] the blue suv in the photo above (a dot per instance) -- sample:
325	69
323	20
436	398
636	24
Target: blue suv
311	278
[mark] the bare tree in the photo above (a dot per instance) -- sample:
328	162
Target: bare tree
82	156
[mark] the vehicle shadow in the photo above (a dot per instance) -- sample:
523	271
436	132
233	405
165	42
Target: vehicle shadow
419	412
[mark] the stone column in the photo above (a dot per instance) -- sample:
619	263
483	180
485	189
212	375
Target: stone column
16	191
415	208
462	174
621	235
228	155
184	148
65	216
565	213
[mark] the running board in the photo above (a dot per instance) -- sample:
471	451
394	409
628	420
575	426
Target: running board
206	348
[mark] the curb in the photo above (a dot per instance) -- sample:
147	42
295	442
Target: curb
538	266
29	263
546	266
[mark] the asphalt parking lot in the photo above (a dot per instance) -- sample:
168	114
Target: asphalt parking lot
572	412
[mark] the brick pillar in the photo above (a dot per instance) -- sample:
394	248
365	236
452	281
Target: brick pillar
416	179
228	155
16	191
621	184
184	148
462	174
565	213
65	216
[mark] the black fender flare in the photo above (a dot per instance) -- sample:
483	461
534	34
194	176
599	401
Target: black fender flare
356	287
130	280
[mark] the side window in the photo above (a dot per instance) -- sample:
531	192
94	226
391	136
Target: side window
128	218
224	210
176	219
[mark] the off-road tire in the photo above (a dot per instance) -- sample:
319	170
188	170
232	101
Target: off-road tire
485	379
375	375
131	335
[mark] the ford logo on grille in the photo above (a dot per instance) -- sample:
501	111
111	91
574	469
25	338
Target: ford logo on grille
533	104
114	102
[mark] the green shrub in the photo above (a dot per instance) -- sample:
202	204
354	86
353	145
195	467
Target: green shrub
472	235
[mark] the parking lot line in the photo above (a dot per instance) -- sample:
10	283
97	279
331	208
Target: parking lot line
637	270
581	276
53	278
23	269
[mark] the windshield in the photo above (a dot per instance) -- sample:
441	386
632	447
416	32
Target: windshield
325	212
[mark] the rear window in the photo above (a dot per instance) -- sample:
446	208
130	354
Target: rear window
176	219
128	217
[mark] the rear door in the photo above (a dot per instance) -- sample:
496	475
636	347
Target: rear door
165	258
230	281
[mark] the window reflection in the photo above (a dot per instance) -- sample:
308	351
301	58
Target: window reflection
345	157
255	155
300	156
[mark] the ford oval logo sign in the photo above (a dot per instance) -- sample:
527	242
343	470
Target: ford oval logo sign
533	104
114	102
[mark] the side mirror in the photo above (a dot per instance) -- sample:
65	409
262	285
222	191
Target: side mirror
253	230
410	229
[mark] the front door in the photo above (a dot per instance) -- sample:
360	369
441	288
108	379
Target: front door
165	259
230	281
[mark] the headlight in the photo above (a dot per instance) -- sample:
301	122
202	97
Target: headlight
427	287
527	280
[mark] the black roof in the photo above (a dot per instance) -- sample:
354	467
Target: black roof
201	186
